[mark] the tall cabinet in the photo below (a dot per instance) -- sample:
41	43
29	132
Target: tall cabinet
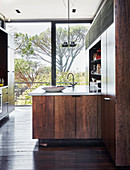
108	88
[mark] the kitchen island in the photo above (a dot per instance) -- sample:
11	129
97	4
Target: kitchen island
73	113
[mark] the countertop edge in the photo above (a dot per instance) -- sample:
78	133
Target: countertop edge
65	94
77	91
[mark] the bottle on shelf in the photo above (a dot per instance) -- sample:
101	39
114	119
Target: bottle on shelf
92	85
98	54
99	68
95	56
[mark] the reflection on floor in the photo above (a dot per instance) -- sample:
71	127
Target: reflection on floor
18	151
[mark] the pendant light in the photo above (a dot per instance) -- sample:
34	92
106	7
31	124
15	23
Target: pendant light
72	43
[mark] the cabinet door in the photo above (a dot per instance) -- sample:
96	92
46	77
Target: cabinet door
43	117
104	62
86	117
108	123
110	68
110	104
64	117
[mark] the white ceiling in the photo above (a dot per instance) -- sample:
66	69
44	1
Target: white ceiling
48	9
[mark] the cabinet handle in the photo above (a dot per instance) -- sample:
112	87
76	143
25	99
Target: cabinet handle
107	99
76	96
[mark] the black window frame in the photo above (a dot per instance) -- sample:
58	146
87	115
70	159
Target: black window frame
53	39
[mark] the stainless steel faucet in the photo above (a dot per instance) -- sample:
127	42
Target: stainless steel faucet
73	84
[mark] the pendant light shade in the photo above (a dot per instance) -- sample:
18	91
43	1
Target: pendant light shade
72	43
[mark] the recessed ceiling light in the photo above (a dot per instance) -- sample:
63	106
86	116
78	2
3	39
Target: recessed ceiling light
18	11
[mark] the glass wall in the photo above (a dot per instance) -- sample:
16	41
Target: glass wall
32	58
71	59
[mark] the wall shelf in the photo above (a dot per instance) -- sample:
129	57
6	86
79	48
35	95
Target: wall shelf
95	74
95	65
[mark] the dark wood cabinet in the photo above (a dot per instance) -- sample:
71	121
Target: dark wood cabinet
43	117
108	123
122	53
86	117
66	117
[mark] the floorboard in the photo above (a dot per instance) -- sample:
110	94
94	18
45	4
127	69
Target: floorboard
18	151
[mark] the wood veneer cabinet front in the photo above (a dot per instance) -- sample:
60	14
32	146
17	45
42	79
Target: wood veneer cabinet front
65	117
86	117
43	117
122	114
108	123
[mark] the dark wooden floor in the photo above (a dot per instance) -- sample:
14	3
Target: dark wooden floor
19	152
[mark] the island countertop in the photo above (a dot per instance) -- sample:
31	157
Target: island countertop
77	90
